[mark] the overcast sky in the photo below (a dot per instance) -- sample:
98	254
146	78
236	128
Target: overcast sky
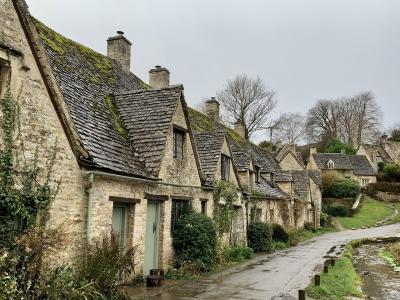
303	49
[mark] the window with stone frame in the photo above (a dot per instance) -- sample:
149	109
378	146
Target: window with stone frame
365	182
225	167
330	164
178	208
178	140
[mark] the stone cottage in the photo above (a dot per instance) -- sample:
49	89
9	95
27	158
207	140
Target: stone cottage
126	149
356	167
383	152
270	196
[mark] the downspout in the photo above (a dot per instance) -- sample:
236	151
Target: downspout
89	208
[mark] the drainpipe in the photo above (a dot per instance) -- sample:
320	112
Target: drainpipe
89	208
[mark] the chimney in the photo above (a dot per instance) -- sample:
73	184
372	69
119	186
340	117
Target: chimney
119	48
313	150
384	139
212	109
240	128
159	77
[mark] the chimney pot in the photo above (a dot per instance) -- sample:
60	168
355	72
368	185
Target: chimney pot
119	48
212	109
159	77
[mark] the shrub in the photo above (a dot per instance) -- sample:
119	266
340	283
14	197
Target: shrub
107	266
260	237
279	234
238	253
294	237
325	220
277	245
195	241
392	172
336	146
345	188
337	211
327	182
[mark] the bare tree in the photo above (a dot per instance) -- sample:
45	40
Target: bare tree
249	101
323	120
353	120
291	128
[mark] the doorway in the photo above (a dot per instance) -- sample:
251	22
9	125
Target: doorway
152	237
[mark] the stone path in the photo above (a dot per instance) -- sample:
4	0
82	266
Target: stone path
273	276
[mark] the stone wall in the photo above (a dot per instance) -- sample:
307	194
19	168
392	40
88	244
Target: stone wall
40	126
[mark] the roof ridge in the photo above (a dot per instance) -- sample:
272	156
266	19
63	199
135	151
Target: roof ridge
171	87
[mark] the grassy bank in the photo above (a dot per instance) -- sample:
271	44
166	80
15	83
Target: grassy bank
371	212
340	282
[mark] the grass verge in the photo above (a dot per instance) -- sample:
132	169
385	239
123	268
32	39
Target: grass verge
371	212
340	282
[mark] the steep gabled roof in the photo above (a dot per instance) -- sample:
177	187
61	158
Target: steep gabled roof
209	145
264	188
358	163
147	117
301	183
86	79
283	176
315	175
361	165
341	161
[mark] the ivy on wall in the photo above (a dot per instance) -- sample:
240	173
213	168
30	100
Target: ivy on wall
26	189
225	197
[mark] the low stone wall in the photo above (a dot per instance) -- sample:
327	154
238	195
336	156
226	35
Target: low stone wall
386	196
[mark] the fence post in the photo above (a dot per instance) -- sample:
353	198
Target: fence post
326	269
302	295
317	280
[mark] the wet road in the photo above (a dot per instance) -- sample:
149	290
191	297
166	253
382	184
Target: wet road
273	276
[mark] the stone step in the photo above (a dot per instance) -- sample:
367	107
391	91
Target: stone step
154	281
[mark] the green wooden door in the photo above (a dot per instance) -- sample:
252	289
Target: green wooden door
151	239
119	224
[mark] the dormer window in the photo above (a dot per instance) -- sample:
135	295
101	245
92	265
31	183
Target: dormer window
258	173
178	143
225	167
330	164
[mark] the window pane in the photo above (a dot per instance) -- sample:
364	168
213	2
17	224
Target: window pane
225	167
178	207
178	145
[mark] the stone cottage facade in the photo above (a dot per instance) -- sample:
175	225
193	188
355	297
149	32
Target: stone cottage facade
341	165
127	158
130	155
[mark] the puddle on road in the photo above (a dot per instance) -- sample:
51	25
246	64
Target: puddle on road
380	281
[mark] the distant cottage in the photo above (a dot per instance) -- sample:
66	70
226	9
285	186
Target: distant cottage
132	154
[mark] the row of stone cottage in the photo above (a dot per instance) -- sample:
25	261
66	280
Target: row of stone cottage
132	154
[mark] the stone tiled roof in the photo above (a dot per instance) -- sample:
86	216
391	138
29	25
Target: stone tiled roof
209	146
315	175
243	151
301	183
283	176
147	117
86	79
264	188
372	150
341	161
361	165
358	163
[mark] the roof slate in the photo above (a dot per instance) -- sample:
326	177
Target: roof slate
283	176
86	79
358	163
301	183
209	145
264	188
147	117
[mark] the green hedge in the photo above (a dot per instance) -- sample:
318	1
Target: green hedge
260	237
389	187
279	234
238	253
195	241
337	211
344	188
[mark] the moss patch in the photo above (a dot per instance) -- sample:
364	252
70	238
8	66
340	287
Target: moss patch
117	120
94	67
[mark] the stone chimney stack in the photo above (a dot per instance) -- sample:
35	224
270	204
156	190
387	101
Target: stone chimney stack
212	109
384	139
119	48
159	77
240	128
313	150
